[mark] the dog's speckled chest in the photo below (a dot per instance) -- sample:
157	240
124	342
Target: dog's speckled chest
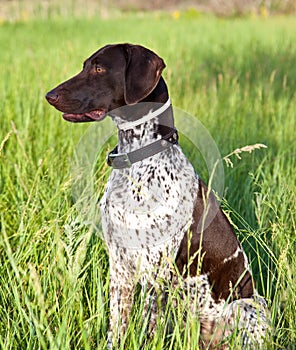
147	208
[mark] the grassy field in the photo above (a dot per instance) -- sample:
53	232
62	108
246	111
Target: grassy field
238	77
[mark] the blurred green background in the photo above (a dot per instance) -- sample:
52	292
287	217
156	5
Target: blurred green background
229	64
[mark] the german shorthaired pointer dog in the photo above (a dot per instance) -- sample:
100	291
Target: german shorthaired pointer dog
160	221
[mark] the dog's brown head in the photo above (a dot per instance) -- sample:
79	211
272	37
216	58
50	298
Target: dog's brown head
114	76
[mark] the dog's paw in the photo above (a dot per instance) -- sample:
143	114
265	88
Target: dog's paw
109	341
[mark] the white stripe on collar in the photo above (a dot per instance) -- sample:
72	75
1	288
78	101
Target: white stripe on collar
145	118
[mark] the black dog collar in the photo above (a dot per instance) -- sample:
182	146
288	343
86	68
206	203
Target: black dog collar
125	160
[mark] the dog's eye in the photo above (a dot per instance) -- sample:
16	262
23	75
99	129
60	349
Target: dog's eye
100	69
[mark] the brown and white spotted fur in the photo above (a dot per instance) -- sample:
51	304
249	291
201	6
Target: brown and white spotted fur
160	221
133	230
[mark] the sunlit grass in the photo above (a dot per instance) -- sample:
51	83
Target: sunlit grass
237	77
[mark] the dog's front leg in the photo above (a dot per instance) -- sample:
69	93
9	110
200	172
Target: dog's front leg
121	300
153	296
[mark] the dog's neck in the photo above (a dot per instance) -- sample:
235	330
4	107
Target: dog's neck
146	132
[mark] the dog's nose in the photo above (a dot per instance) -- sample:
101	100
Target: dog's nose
52	97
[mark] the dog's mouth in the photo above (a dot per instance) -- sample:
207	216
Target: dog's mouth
93	116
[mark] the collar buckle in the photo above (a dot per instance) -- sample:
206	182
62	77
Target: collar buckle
119	161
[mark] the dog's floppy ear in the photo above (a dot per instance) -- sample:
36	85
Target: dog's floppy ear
143	71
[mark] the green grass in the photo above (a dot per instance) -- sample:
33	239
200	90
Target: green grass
236	76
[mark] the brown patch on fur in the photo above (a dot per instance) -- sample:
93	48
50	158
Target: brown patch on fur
219	243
